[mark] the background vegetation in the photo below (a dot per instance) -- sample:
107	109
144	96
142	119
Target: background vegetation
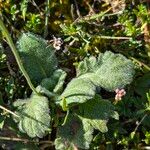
77	29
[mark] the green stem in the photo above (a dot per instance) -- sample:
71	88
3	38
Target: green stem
115	37
24	140
140	63
17	57
136	128
92	17
66	117
47	14
9	111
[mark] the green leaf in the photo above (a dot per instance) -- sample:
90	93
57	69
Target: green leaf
112	70
44	91
79	90
74	133
109	71
38	58
97	112
89	65
55	82
62	144
34	115
24	5
25	146
143	85
115	72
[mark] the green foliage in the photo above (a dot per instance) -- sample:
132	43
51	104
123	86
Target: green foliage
127	19
89	115
75	133
14	11
116	71
38	58
55	82
142	13
110	71
34	115
24	6
96	112
79	90
33	23
143	84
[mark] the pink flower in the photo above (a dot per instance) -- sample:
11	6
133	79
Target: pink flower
119	94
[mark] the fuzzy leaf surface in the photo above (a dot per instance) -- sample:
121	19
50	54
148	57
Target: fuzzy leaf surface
34	115
79	90
38	58
116	71
55	82
109	71
74	133
97	112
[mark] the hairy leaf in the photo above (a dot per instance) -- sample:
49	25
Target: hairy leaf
34	115
115	72
38	58
74	133
109	71
97	112
79	90
55	82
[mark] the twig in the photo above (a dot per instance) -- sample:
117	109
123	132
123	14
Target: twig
23	140
91	17
47	14
140	123
90	7
77	8
115	38
9	111
34	4
17	57
71	11
140	63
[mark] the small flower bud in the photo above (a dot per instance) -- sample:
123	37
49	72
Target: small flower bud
119	94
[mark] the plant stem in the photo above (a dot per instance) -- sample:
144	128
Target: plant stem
140	123
5	109
66	117
23	140
47	14
140	63
77	8
115	38
17	57
92	17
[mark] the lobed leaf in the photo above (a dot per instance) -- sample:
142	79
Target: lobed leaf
109	71
97	112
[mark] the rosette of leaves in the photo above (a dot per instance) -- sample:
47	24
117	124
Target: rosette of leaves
109	71
37	57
